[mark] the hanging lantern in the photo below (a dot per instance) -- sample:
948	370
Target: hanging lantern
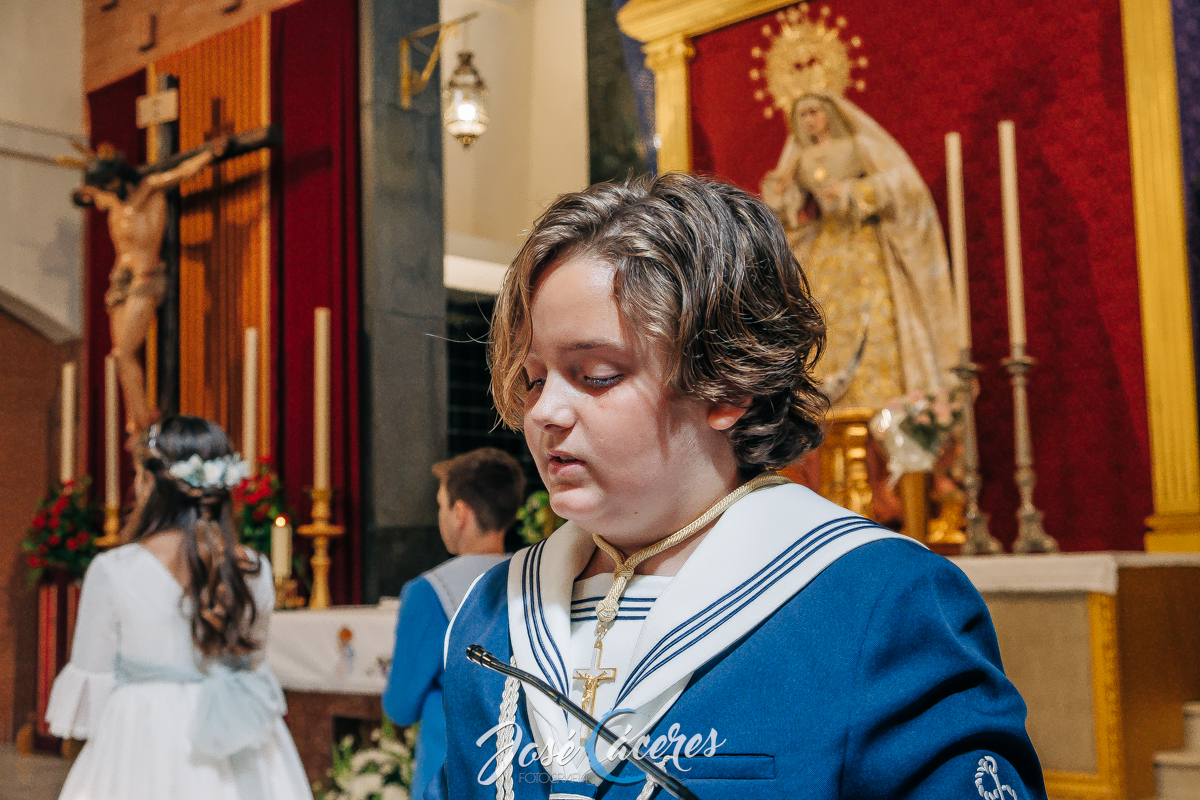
465	102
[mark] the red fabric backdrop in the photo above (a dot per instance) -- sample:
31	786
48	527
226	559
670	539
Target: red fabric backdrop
315	99
112	113
1057	71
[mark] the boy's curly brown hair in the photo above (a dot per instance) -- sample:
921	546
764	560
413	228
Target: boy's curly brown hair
705	271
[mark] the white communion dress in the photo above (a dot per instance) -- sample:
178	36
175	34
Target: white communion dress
162	721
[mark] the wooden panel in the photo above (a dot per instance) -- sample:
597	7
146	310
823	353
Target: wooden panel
1158	620
223	261
310	718
113	39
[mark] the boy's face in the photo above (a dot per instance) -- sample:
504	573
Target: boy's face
619	452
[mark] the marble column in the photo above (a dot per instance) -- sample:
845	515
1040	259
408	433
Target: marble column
403	304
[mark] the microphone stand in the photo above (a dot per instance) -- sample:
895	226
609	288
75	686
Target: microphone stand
653	771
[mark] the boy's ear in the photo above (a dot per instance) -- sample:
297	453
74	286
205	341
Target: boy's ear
463	515
723	416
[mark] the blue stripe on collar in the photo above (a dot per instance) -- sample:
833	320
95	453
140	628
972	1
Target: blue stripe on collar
535	620
624	599
697	627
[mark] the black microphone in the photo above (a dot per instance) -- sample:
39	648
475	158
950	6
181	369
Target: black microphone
660	776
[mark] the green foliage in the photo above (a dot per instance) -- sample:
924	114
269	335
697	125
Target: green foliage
64	530
537	518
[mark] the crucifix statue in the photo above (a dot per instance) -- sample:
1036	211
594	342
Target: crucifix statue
135	199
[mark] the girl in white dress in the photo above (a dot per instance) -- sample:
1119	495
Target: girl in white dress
167	679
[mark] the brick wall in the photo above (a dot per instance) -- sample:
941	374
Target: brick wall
30	367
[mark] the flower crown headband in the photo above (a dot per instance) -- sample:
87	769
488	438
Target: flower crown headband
212	475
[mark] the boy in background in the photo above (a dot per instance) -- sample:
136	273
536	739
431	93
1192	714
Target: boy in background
479	494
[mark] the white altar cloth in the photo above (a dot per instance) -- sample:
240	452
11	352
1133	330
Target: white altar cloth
344	649
1062	572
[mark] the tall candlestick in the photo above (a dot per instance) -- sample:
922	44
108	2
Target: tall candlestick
321	401
112	488
958	236
66	467
250	397
1012	234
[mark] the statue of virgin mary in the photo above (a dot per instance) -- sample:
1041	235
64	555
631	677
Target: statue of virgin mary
866	231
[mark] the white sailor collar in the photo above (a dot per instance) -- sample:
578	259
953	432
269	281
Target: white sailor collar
758	555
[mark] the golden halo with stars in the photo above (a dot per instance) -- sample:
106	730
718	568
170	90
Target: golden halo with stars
806	54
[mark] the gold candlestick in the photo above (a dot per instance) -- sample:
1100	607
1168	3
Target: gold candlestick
320	531
112	527
1031	537
979	541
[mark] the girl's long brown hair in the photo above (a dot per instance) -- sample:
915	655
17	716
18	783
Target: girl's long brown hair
223	607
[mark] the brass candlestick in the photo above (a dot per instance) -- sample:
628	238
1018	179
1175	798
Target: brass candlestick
979	540
320	531
112	529
1031	537
286	597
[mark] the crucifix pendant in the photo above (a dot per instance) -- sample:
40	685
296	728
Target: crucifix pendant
592	678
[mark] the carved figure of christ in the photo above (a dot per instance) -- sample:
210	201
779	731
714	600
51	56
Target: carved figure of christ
592	678
137	218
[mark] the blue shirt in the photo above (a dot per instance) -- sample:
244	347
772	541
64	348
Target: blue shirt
414	687
879	679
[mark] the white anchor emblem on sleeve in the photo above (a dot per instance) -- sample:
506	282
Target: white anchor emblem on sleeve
987	766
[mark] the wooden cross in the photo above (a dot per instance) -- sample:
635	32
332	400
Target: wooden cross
220	127
592	678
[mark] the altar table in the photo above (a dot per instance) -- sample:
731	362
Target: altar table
333	665
1105	649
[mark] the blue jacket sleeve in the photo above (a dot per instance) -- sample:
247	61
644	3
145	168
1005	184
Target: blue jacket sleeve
437	789
417	660
938	718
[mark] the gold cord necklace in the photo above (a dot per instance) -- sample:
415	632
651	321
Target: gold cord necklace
606	610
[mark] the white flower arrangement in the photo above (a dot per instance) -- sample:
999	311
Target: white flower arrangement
225	472
914	429
382	771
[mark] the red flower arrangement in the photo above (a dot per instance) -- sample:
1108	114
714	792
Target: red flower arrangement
257	501
64	530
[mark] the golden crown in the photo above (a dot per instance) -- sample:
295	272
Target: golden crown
806	55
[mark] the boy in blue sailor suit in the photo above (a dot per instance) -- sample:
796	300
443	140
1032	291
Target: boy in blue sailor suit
655	341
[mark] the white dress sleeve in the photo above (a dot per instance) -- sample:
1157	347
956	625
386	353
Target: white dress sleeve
81	690
262	586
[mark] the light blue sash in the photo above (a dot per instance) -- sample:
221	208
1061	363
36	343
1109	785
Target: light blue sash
234	714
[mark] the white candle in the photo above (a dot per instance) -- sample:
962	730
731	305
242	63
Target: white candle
321	401
958	236
281	549
112	488
1012	235
250	396
66	467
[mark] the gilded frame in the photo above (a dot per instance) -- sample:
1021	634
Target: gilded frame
1108	783
667	28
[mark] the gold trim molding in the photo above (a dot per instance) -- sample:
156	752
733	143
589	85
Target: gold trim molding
650	20
1156	158
667	27
1108	782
